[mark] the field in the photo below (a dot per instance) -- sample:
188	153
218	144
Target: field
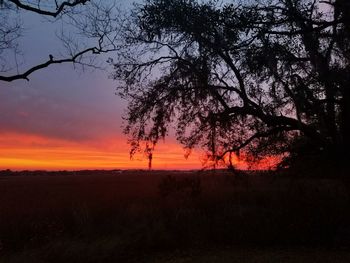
169	216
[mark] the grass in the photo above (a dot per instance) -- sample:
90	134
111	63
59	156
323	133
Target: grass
172	217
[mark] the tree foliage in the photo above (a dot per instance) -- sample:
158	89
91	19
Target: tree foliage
263	76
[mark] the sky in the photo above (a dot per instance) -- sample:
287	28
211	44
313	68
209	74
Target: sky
68	119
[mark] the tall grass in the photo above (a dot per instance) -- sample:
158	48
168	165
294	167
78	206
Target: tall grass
125	217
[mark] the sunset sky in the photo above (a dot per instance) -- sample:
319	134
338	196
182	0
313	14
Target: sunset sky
65	118
68	119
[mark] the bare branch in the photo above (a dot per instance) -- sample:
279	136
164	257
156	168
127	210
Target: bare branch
58	11
49	62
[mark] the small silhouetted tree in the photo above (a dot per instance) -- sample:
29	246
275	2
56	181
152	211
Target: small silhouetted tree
262	76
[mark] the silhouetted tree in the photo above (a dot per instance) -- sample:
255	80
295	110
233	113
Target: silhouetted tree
97	21
262	76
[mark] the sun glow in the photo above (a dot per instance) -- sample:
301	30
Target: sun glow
31	152
20	152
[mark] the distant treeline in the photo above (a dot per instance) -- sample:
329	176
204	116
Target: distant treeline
9	172
141	172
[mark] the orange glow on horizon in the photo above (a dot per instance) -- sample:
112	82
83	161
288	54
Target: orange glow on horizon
33	152
246	162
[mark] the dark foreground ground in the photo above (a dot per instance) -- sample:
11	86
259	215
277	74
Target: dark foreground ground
136	216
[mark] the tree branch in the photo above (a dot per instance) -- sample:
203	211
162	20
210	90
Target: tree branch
49	62
59	9
256	136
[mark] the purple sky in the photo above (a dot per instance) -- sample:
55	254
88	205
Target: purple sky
57	101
